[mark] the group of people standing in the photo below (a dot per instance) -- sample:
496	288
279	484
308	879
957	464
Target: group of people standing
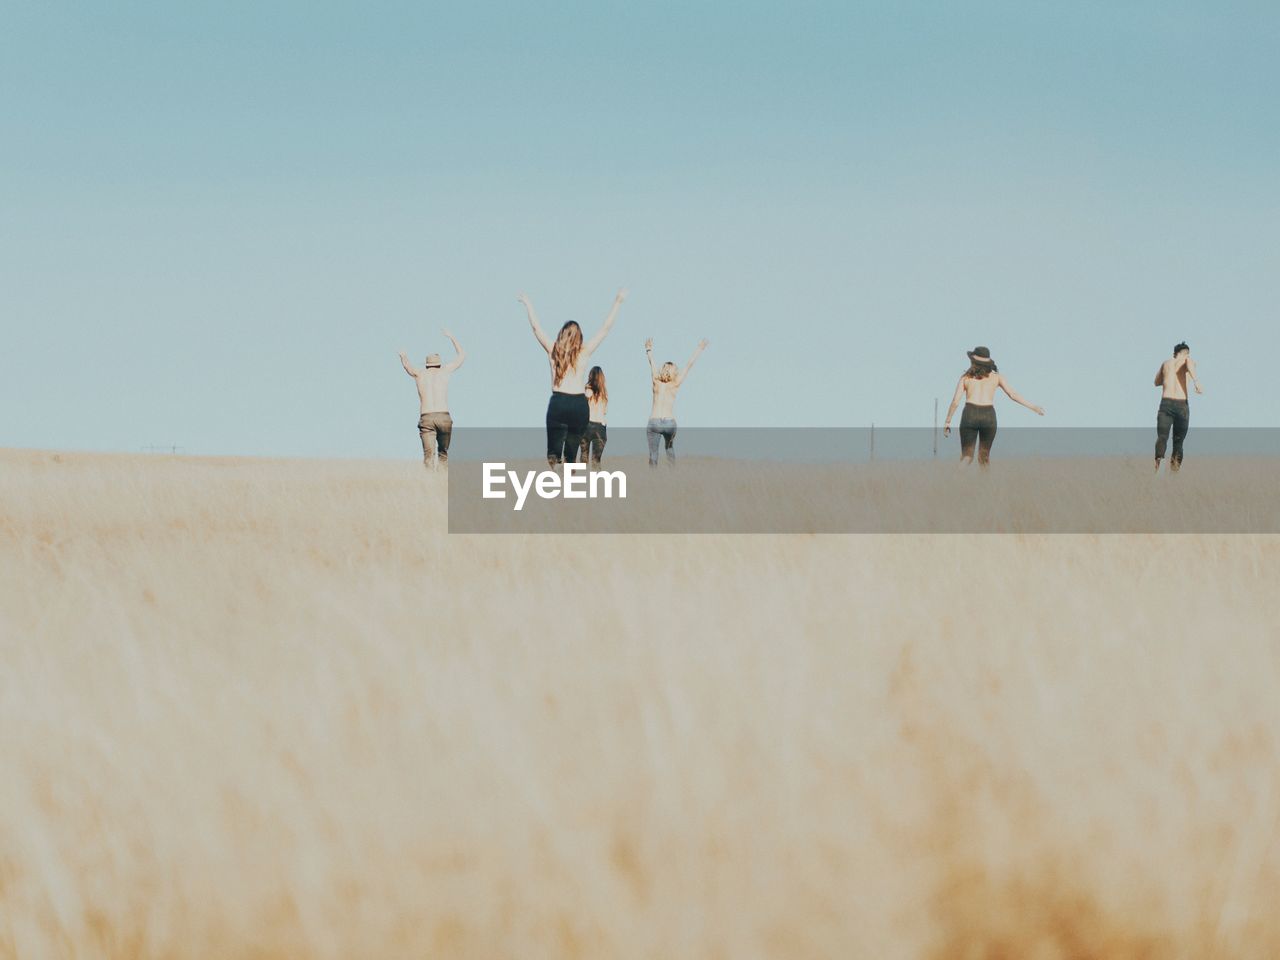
577	413
578	409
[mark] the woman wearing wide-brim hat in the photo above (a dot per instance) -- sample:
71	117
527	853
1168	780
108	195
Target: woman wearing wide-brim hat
978	386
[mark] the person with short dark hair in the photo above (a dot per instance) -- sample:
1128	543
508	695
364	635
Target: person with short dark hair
1174	414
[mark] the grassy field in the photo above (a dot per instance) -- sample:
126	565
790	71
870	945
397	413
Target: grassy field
271	709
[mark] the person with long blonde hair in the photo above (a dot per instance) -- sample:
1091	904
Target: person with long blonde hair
597	434
568	412
662	414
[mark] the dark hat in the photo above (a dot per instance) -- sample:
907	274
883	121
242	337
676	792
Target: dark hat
980	355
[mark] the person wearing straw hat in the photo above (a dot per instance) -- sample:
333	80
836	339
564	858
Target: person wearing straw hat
978	386
435	425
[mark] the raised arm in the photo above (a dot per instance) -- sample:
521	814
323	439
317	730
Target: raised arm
533	322
1014	396
648	352
408	367
951	410
590	346
461	354
697	351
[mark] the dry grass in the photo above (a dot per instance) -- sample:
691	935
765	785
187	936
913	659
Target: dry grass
270	709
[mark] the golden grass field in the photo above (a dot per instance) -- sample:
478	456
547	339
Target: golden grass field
271	709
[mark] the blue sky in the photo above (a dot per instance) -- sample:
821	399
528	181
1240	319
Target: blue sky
220	223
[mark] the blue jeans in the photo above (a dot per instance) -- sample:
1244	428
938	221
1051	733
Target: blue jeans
665	428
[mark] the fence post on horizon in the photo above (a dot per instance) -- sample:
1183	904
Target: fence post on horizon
935	428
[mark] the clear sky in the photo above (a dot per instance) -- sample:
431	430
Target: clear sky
219	222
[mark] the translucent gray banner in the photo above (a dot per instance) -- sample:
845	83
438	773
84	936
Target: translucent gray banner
814	480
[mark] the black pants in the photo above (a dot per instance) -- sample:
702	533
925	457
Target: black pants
593	442
567	418
977	428
1175	416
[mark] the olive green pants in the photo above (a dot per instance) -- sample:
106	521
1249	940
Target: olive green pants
435	429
